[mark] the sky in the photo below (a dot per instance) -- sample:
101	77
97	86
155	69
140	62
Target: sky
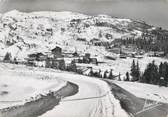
152	11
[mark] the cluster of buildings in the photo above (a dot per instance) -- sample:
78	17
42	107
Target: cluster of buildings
156	54
87	59
56	59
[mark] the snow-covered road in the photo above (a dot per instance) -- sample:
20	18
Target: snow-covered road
94	99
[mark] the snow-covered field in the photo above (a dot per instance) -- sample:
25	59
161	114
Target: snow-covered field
124	65
19	85
94	98
146	91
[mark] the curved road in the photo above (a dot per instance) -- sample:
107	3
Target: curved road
94	99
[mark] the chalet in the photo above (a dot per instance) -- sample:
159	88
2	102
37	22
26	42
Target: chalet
70	54
93	61
123	56
30	61
110	57
108	36
75	54
159	54
37	56
57	52
156	54
67	55
86	58
96	42
139	57
162	82
81	39
78	60
36	59
49	31
55	63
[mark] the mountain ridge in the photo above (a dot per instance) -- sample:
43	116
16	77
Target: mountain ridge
24	33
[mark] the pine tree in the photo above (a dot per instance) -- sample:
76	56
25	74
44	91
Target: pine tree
119	77
165	70
73	66
133	71
146	75
111	74
137	71
7	57
91	72
151	74
99	73
161	70
154	73
127	77
105	74
100	34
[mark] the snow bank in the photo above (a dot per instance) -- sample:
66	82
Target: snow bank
22	85
145	91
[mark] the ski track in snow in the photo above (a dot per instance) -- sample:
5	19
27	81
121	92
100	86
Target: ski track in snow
95	100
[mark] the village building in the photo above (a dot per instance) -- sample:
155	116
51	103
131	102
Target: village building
58	63
36	59
86	58
50	60
93	61
156	54
55	60
57	52
75	54
37	56
81	39
96	42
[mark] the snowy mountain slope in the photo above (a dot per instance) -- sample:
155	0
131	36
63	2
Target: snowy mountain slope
24	33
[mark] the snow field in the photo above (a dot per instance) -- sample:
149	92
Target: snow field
146	91
21	87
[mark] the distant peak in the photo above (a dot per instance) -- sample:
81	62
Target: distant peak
15	11
12	13
104	16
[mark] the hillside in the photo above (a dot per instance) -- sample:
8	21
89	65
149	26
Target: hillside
25	33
